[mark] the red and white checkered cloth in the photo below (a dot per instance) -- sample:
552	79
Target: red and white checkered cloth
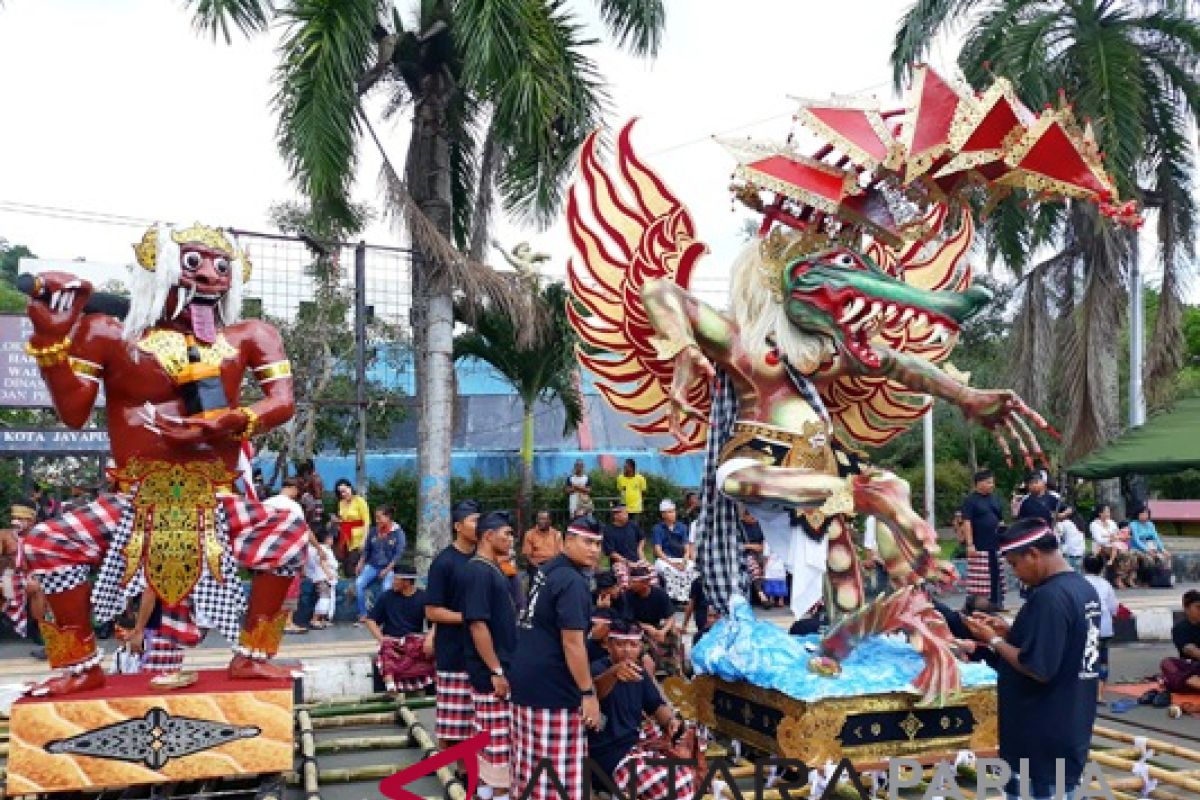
14	593
455	709
654	782
61	552
493	716
548	734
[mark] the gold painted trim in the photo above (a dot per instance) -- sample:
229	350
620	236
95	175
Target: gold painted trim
274	371
809	731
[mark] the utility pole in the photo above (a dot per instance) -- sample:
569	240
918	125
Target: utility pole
929	465
1137	338
360	365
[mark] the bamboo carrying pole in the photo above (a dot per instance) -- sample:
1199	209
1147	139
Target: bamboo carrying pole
354	721
362	708
1162	775
308	752
416	731
360	743
1157	745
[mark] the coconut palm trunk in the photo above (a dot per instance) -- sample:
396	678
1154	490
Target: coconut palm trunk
526	459
430	183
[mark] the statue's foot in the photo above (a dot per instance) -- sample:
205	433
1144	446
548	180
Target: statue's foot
69	683
245	668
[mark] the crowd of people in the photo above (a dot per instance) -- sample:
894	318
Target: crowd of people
563	658
1131	553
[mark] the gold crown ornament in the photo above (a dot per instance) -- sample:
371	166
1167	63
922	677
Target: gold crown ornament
781	247
146	251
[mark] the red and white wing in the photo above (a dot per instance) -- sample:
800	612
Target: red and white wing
628	228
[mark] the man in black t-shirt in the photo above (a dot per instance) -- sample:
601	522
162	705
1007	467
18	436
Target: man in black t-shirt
1183	674
491	617
983	517
397	621
553	698
455	710
627	693
1039	503
623	541
651	607
1047	662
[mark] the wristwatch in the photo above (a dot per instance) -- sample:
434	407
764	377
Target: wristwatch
995	640
498	672
588	692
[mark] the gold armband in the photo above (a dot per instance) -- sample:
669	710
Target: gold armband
88	370
273	372
51	354
251	422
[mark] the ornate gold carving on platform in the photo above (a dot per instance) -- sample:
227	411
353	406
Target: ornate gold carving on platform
812	731
986	734
911	726
36	723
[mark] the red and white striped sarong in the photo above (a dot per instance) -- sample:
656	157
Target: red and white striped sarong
654	782
162	655
549	745
493	717
455	710
62	551
978	581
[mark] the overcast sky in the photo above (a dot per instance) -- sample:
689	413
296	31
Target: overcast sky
120	107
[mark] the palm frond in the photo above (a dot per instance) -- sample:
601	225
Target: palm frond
326	47
1033	333
542	113
218	16
477	281
637	25
484	201
1175	198
919	27
1107	89
1089	362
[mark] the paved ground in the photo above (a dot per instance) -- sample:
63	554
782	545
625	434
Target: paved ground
1130	663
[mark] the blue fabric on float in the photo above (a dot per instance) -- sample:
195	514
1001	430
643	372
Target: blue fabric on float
743	649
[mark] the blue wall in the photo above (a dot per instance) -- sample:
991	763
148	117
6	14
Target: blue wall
487	436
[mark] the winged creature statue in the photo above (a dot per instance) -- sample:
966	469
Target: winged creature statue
841	310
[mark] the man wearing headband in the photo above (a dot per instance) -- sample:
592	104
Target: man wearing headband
653	610
552	692
627	692
491	619
19	591
983	516
1047	662
397	621
443	598
671	551
623	541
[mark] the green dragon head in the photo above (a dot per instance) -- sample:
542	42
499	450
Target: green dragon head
843	295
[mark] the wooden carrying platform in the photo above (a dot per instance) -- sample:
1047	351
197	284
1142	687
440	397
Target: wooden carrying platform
131	733
868	730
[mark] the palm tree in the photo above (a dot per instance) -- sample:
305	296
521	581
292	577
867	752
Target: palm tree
543	371
1131	67
501	92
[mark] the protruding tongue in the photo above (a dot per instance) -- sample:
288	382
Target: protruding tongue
204	321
